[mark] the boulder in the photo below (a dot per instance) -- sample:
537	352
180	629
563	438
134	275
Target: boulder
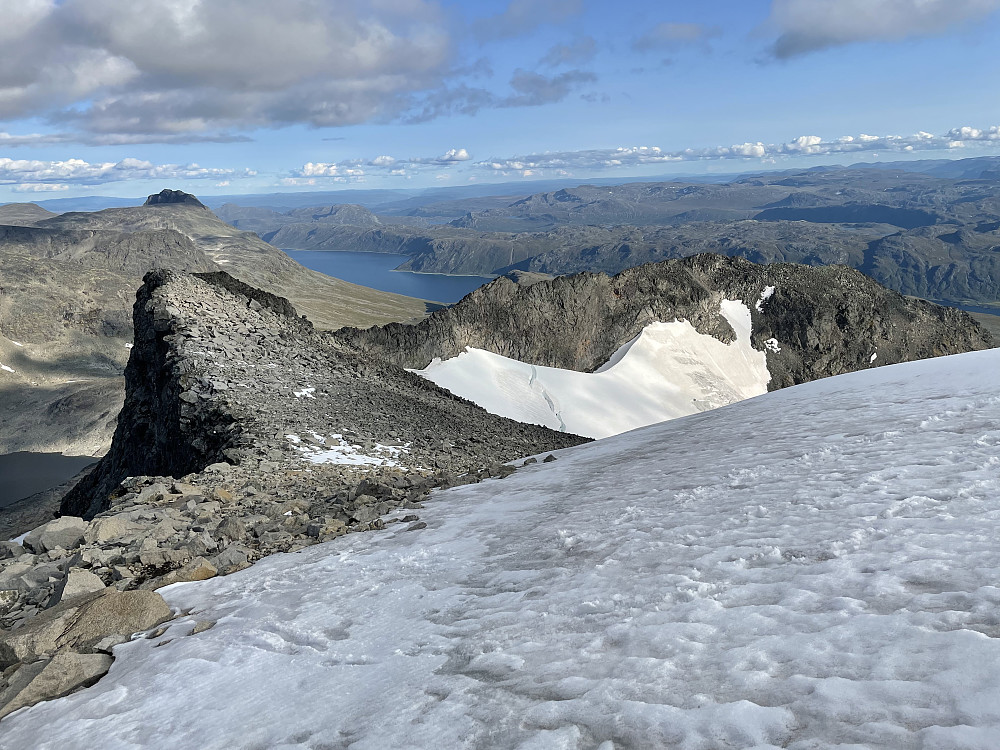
110	528
115	613
66	532
62	675
77	583
198	569
82	623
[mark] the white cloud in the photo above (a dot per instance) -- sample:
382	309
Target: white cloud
384	164
805	145
39	187
805	26
454	154
975	134
24	172
172	67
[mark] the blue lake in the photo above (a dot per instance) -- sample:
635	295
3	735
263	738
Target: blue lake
23	474
374	270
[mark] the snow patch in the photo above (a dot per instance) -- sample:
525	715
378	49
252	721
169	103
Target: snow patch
5	368
669	370
772	345
305	393
336	450
764	297
872	358
16	343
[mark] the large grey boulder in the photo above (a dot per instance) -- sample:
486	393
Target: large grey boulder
82	623
77	583
62	675
66	533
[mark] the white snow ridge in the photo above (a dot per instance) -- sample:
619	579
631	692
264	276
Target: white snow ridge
814	568
670	370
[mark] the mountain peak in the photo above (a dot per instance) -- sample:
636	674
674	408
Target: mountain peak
167	196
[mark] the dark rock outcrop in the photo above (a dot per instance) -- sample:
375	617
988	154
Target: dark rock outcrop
826	321
221	371
172	197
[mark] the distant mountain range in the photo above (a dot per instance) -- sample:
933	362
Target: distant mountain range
926	228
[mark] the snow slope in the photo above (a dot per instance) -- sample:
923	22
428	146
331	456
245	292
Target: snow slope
813	568
670	370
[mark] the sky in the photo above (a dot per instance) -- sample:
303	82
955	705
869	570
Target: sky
99	97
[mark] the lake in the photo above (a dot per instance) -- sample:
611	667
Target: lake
374	270
23	474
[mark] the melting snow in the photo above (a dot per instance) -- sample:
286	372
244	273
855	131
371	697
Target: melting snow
305	393
5	368
814	568
670	370
772	345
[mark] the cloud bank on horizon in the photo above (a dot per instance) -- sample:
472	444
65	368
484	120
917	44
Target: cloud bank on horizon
91	88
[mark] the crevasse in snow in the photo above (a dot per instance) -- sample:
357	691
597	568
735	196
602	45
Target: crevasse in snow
814	568
668	371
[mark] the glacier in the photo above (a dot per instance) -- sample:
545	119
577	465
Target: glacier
669	370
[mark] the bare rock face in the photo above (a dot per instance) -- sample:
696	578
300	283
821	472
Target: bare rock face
823	321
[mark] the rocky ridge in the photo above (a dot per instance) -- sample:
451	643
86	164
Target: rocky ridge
813	323
245	432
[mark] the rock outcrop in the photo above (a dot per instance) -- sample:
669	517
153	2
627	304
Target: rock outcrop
823	321
167	197
221	371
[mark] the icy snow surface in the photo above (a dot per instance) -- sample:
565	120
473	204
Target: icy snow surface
670	370
814	568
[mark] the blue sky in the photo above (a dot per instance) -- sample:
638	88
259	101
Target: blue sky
236	96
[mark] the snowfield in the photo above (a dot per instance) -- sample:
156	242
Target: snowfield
668	371
814	568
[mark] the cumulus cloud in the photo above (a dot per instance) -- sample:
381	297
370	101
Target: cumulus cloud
26	173
193	66
40	187
671	36
805	145
524	16
805	26
352	170
578	52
